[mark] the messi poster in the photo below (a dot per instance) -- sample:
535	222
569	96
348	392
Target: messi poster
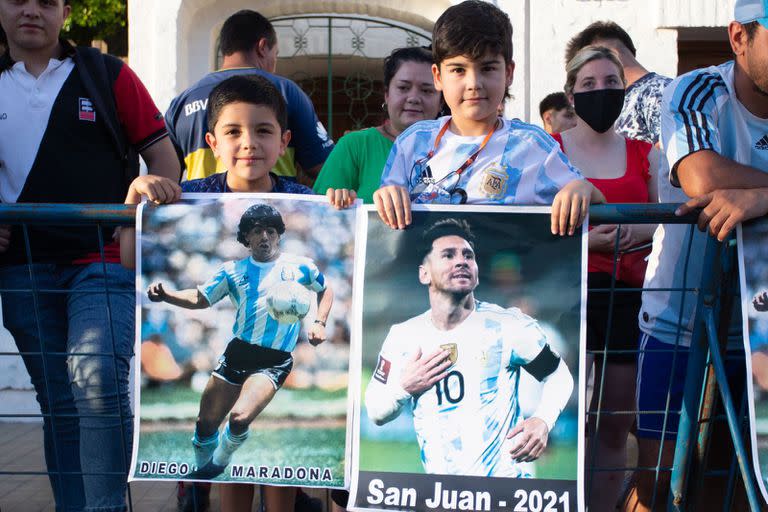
243	327
753	272
469	366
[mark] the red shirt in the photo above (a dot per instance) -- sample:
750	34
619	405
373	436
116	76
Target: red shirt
632	187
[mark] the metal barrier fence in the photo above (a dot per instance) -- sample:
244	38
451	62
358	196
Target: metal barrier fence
708	401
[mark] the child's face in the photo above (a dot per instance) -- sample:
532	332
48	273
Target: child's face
473	89
247	140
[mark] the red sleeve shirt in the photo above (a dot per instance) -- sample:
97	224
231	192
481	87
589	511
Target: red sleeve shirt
138	114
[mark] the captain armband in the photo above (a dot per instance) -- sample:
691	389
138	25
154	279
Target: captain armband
543	364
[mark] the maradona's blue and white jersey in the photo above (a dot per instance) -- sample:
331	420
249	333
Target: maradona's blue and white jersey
521	164
247	283
700	111
461	423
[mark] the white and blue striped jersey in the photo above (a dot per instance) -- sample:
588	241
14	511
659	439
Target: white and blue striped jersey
247	283
700	111
461	423
521	164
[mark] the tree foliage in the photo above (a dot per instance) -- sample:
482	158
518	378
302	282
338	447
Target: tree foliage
96	19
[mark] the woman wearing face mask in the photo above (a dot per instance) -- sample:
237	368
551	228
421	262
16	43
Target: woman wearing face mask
358	158
625	171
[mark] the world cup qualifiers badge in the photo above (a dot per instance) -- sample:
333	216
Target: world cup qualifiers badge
382	370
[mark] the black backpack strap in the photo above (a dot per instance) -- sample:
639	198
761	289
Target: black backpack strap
95	77
97	81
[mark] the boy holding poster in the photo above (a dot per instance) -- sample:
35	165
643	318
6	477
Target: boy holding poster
476	157
499	161
247	132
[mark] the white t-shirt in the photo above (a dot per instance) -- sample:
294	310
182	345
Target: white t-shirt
26	102
700	111
521	164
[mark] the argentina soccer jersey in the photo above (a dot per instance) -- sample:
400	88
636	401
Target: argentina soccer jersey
461	428
248	283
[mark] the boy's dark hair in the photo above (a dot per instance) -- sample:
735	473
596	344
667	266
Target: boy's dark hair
472	28
595	31
556	100
243	30
253	89
441	228
400	55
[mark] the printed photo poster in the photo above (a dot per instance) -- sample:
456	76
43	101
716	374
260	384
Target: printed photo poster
244	305
753	272
470	358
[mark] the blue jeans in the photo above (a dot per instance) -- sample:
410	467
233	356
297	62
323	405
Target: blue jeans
77	342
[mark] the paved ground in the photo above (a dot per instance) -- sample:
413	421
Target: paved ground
21	450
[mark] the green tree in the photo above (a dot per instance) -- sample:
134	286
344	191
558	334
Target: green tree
99	19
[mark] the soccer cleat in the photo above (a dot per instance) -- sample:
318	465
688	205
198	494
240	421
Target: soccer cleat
207	472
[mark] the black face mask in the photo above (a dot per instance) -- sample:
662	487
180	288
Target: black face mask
599	109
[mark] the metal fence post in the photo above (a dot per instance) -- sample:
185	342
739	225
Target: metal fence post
730	412
692	394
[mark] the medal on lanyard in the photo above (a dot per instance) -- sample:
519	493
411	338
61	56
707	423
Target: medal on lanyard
457	195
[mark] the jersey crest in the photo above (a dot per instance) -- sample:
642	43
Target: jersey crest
494	183
454	351
289	273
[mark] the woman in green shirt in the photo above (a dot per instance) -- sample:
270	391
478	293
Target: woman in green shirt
358	158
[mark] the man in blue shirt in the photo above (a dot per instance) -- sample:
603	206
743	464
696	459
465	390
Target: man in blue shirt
249	47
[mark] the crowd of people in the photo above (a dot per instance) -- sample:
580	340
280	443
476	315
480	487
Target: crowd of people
620	134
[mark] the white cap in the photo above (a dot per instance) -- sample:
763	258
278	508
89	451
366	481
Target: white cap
746	11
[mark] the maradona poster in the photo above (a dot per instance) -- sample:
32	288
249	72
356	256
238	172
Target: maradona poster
244	307
469	370
753	272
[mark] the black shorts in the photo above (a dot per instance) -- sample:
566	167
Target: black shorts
242	359
625	331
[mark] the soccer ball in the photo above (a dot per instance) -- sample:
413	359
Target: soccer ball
288	302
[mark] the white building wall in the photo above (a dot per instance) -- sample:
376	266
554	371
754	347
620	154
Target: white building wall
172	42
550	24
